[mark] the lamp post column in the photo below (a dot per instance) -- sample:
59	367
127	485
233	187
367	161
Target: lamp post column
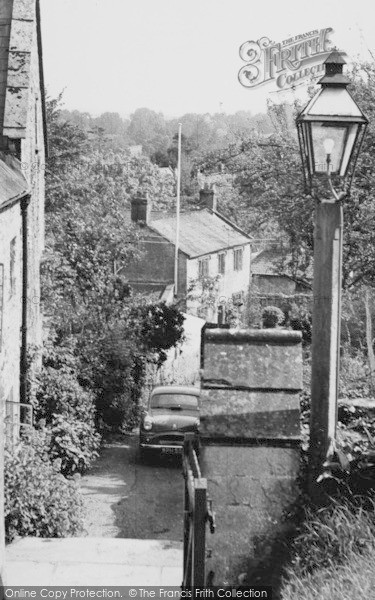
326	332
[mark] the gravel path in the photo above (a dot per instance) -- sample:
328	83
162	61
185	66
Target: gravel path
127	498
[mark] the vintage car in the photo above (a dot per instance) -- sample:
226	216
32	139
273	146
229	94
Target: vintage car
172	411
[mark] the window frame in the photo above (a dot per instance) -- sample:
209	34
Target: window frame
203	267
237	259
221	263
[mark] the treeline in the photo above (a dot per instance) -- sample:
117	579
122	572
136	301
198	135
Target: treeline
156	133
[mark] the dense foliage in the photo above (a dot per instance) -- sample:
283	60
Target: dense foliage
39	500
105	333
272	316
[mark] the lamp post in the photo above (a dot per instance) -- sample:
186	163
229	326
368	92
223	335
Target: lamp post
330	130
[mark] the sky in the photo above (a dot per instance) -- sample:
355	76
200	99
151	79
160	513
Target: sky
177	56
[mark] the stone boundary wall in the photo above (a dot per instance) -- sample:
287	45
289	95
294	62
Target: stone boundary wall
250	436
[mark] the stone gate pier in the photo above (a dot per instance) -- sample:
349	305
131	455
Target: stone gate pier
250	434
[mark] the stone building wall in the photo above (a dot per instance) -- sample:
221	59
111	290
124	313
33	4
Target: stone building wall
156	264
10	325
33	167
22	136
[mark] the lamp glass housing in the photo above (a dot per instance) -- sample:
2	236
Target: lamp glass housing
335	141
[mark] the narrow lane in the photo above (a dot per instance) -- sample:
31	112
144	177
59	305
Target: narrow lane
127	498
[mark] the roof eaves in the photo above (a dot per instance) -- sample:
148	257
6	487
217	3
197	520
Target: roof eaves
12	201
217	251
229	222
13	171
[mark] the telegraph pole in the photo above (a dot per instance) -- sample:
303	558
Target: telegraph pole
177	243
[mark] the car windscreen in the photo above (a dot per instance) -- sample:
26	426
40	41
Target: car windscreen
174	401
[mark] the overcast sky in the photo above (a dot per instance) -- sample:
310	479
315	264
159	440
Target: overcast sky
178	56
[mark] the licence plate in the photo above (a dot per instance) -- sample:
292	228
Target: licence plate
171	450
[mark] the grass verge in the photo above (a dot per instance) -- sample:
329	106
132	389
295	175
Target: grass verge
333	556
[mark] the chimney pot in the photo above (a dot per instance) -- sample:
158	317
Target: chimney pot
207	197
140	209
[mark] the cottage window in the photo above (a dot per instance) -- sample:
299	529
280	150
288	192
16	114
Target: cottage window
221	263
237	259
203	267
12	267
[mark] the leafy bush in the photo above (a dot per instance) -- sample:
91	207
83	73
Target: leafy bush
67	408
59	392
161	327
354	375
74	443
119	376
272	316
300	319
39	501
120	362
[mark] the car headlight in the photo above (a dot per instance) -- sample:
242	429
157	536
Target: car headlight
197	422
147	423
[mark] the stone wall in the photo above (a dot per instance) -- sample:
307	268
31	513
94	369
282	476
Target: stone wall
5	21
33	167
22	134
250	443
10	325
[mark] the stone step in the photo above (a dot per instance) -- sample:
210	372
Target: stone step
93	562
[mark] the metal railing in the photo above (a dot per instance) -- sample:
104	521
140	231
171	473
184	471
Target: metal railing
197	513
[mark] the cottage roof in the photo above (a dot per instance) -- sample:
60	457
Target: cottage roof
267	262
201	232
13	184
270	262
19	23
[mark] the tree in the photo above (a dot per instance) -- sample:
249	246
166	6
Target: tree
148	129
272	201
88	239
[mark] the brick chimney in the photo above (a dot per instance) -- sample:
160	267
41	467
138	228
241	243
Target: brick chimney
207	197
140	209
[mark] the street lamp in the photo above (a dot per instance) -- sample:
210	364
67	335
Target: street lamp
331	127
330	130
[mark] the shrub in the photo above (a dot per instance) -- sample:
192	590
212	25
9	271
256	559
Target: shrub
74	443
67	408
300	319
354	375
39	501
60	393
272	316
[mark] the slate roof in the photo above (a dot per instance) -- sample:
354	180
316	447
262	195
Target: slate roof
267	262
13	184
201	232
